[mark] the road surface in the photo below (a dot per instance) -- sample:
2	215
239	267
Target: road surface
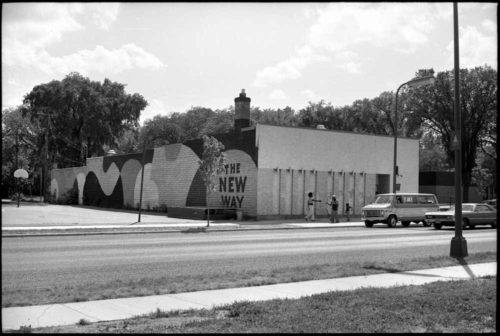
40	262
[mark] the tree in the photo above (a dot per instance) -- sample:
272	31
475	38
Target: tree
478	104
484	175
279	117
211	164
160	131
19	146
128	142
79	117
193	121
221	122
432	155
320	113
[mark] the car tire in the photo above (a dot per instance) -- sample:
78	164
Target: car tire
425	223
494	224
438	226
392	221
405	223
368	224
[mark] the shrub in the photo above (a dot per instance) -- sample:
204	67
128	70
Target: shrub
25	329
83	322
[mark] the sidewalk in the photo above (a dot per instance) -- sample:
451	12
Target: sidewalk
66	219
117	309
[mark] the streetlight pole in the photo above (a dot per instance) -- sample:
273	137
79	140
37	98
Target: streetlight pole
413	83
458	247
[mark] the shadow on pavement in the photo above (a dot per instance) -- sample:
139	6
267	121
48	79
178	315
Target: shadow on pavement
466	267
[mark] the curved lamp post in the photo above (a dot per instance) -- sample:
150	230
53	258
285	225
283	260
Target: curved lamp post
413	84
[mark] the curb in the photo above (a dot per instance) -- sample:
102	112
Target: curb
167	230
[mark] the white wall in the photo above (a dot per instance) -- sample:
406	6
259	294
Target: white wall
325	150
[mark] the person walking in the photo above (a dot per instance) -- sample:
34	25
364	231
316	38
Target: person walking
334	217
310	207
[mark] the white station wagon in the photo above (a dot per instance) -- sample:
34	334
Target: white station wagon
404	207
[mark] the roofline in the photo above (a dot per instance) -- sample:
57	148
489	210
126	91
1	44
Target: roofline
336	131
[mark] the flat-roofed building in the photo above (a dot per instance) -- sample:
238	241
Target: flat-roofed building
269	172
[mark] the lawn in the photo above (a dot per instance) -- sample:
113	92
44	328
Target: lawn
229	279
452	307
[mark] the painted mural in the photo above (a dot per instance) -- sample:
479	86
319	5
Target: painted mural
171	178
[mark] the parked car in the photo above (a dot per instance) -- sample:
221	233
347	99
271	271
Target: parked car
404	207
472	214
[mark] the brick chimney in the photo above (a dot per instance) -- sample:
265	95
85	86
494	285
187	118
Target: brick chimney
241	111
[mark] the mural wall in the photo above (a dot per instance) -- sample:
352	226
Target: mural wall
171	178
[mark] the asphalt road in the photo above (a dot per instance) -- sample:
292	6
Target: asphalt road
38	262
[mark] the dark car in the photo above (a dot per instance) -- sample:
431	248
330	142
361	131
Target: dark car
472	214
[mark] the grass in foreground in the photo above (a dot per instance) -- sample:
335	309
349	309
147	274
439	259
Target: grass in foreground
453	307
175	284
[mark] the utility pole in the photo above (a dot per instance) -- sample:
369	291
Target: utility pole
458	247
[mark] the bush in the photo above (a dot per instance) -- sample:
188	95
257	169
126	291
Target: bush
25	329
69	197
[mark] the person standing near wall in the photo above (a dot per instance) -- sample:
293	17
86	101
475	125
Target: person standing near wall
310	207
334	204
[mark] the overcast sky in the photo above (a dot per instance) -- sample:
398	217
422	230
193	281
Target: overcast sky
179	55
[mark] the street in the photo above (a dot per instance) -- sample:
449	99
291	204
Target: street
39	262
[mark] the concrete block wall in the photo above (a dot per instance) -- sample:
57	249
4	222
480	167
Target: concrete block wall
283	192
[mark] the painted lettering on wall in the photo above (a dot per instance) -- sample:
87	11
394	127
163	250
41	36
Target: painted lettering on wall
230	184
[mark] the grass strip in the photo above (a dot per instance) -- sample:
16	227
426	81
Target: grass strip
170	284
467	306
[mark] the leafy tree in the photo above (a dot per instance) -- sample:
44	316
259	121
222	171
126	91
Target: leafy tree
128	142
211	164
320	113
221	122
193	121
160	131
478	103
19	145
484	175
80	116
279	117
432	155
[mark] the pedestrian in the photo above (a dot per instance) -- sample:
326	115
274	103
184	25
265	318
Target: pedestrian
334	205
310	207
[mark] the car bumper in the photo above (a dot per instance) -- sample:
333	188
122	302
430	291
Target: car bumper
379	219
443	222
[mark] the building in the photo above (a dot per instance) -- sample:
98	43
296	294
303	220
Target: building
270	171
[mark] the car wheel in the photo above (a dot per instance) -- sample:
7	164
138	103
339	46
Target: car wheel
392	221
425	223
405	223
494	224
368	224
438	226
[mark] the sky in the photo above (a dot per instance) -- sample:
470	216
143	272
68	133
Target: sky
180	55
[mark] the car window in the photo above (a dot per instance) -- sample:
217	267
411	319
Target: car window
467	207
409	200
384	199
426	200
483	208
